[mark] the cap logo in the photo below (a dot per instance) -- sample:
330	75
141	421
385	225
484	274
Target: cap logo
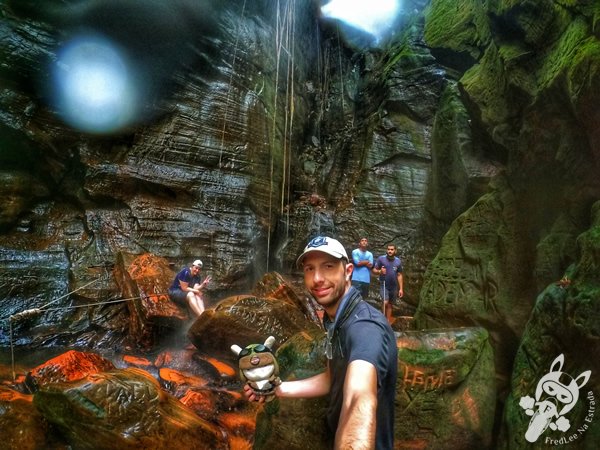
317	242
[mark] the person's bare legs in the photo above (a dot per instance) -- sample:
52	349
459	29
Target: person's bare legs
387	310
196	303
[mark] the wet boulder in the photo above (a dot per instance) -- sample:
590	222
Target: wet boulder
274	285
21	425
179	383
244	320
124	409
146	279
445	393
229	409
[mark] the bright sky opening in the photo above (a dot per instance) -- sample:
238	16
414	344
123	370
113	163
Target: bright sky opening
373	16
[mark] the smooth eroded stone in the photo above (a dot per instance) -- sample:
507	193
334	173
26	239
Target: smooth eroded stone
244	320
21	425
124	409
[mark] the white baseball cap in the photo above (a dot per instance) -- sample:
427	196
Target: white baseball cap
197	263
323	244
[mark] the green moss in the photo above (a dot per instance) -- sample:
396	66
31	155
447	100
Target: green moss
460	25
563	53
584	71
588	8
302	355
424	357
403	52
451	107
486	84
408	125
589	264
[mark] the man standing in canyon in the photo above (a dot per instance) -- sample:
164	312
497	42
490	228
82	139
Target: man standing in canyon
362	356
187	286
391	281
363	263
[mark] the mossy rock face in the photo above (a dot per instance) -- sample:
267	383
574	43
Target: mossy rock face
486	84
564	324
460	25
476	277
574	47
458	174
562	337
534	22
445	394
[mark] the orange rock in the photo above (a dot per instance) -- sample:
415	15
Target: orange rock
8	395
70	366
223	368
148	277
236	395
239	422
163	359
175	379
136	361
199	402
240	426
240	443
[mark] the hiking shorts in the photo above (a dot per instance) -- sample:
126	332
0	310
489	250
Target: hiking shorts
388	294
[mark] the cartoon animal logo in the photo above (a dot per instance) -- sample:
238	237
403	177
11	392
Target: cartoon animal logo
259	368
555	395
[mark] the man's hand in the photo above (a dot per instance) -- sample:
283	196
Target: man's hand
256	396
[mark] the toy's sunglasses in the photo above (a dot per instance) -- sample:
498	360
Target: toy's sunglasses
260	348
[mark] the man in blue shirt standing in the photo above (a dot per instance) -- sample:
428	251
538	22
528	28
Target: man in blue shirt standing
363	263
389	269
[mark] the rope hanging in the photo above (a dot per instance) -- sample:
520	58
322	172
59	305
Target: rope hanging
36	311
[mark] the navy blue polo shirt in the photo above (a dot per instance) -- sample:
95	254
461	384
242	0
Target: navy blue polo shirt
365	334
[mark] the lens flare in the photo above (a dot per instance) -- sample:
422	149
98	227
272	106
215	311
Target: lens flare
94	87
376	17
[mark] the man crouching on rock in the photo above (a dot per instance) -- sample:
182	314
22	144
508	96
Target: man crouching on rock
186	289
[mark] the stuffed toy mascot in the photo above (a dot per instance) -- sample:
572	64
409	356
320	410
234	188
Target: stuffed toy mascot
259	368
